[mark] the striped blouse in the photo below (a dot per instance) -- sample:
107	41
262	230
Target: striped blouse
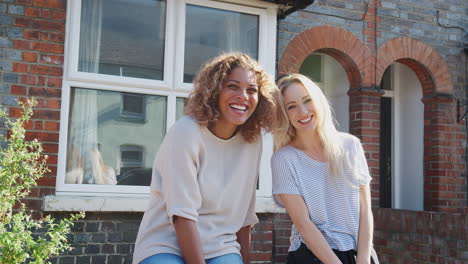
333	203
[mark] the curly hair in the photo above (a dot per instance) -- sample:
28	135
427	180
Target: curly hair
203	101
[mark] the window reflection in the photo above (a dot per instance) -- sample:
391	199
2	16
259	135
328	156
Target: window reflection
105	148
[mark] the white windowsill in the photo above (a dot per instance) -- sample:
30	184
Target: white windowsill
71	203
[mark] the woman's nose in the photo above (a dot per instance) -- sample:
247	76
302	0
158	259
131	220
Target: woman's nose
303	108
242	93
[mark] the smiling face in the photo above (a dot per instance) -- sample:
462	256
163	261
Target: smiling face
238	99
300	108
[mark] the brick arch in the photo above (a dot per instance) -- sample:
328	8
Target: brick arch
342	45
429	66
439	119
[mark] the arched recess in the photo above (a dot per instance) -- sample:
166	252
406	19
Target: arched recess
429	66
435	81
342	45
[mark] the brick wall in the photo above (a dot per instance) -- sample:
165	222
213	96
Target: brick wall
421	237
31	64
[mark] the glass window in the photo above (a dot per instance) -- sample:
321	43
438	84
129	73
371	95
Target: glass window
180	104
133	107
102	146
126	69
211	31
123	38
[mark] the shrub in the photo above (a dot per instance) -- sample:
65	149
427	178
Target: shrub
21	164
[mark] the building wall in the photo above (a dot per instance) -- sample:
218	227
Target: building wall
31	64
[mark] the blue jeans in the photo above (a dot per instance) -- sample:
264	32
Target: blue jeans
166	258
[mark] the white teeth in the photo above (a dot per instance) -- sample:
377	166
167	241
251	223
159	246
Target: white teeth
305	120
239	107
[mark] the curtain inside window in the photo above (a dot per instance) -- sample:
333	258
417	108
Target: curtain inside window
90	35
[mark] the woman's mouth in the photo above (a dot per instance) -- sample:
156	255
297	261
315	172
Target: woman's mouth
238	107
305	120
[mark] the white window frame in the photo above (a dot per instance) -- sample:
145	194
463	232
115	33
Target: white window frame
171	86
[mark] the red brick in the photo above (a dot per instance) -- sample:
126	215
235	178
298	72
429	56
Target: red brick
42	136
50	148
28	79
46	181
15	111
44	36
57	15
46	70
30	56
18	90
53	103
44	92
21	44
261	256
32	12
52	126
38	125
57	37
24	2
22	22
20	67
56	4
31	34
41	80
54	82
48	47
46	114
47	25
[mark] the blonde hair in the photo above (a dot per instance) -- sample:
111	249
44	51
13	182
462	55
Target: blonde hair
202	103
324	121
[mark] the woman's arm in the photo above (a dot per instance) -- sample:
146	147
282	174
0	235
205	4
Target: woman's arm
243	238
189	240
366	225
314	239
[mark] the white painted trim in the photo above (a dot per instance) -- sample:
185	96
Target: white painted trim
172	86
70	203
396	142
388	93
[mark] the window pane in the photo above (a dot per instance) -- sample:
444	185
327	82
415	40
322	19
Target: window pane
123	37
180	104
103	147
386	83
210	31
312	67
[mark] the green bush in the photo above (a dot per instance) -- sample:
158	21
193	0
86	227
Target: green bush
21	164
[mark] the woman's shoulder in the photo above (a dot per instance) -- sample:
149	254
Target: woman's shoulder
284	154
184	130
349	141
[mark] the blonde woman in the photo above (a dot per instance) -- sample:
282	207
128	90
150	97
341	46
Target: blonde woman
321	177
202	201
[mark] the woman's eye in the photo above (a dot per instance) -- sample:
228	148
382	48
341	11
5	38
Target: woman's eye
291	107
232	86
252	90
308	100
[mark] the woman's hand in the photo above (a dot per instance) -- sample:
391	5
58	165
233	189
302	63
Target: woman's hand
312	236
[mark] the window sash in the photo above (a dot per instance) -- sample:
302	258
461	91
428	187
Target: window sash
171	86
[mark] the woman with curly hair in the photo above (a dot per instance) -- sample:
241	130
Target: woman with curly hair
321	177
204	177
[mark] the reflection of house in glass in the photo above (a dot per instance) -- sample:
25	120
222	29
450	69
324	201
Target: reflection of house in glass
123	33
101	121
